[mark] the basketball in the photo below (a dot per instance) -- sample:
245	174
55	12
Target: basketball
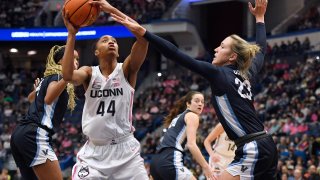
81	13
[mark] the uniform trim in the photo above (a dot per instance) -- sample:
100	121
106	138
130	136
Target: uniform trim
229	115
130	112
180	138
49	110
245	167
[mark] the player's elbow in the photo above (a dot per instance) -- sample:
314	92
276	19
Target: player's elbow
67	77
48	100
205	142
191	145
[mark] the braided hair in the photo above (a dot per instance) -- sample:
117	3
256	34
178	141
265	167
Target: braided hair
53	67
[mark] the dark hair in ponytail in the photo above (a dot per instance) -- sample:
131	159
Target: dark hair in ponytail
180	106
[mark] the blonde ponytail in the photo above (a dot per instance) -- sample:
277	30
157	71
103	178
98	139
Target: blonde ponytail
52	67
245	52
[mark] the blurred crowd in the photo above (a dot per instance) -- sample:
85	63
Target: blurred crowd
19	13
31	13
296	47
309	20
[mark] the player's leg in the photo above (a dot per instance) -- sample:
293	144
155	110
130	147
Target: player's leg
225	175
48	170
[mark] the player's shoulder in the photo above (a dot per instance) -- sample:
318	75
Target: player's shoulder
191	115
86	69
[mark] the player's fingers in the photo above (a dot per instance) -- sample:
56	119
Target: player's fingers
250	7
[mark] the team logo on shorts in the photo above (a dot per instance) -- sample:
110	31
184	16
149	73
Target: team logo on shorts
244	168
83	172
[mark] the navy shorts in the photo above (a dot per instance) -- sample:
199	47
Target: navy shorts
30	146
257	159
168	165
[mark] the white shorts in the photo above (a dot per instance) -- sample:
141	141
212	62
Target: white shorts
119	159
221	165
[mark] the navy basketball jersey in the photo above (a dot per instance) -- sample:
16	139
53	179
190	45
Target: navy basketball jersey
48	115
175	136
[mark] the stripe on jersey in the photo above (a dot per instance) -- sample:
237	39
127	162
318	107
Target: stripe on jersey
230	117
181	136
130	112
49	109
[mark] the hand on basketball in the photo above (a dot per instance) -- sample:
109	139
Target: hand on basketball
131	24
260	8
103	4
71	28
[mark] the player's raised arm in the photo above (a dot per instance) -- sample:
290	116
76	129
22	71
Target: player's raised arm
167	48
259	11
139	50
70	74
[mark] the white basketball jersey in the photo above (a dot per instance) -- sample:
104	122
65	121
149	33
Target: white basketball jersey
224	146
107	112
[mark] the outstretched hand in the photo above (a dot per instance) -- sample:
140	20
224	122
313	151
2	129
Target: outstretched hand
259	10
131	24
71	28
103	4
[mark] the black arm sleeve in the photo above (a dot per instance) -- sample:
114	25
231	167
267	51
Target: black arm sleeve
205	69
261	41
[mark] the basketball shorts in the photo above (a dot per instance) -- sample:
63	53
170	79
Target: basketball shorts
117	159
31	145
221	165
168	165
255	160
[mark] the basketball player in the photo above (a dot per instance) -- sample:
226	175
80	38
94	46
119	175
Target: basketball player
182	124
223	150
234	65
31	140
32	95
111	151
